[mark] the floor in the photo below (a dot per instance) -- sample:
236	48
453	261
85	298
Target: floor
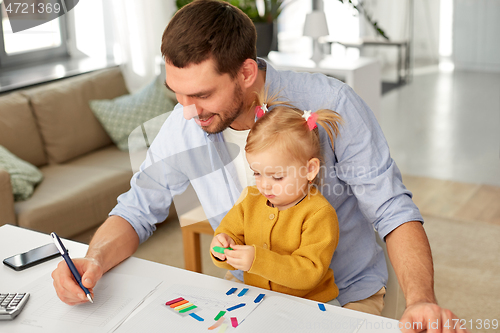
446	126
443	131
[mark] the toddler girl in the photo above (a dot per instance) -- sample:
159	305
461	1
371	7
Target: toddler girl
282	231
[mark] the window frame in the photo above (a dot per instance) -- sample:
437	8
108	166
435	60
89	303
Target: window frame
35	56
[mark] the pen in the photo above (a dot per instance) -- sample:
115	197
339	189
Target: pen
70	264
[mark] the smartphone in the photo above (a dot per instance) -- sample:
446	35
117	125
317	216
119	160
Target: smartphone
32	257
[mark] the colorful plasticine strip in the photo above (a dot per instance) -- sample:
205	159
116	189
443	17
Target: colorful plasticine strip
221	313
174	301
243	292
234	321
222	328
183	306
322	307
259	298
220	249
236	307
217	323
231	291
195	316
178	303
188	309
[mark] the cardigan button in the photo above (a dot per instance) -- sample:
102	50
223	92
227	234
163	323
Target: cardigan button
264	246
271	216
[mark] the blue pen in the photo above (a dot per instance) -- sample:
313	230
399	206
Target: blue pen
70	264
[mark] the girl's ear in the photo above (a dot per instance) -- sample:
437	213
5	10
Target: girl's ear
312	168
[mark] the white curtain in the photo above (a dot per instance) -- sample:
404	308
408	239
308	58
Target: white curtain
133	35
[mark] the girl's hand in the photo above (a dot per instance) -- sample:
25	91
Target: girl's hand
222	240
241	257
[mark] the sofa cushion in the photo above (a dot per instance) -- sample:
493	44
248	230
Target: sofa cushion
122	115
110	158
72	199
67	125
24	176
18	130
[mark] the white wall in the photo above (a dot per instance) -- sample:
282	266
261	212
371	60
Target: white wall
476	35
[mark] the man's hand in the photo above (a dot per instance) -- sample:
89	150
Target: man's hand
431	317
113	242
241	257
222	240
67	288
410	253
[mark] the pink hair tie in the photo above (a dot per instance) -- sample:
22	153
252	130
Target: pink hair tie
310	119
260	110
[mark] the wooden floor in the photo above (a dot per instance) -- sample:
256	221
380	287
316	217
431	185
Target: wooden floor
455	200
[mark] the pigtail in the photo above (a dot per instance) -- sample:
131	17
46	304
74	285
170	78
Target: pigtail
330	121
264	101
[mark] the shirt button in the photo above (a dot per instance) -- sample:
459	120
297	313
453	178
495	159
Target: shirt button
271	216
264	246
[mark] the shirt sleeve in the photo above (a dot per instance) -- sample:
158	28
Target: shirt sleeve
154	185
306	266
364	163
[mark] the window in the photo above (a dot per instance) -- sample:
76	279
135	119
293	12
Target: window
40	43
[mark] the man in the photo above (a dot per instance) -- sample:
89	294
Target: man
209	49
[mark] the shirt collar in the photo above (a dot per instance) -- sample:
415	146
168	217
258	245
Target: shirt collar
272	75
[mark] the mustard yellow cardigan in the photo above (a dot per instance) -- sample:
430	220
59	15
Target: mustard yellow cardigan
293	247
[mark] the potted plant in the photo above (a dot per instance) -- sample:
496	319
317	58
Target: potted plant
265	22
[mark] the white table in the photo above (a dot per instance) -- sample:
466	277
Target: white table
14	240
403	46
362	74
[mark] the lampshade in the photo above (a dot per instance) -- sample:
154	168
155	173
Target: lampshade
315	25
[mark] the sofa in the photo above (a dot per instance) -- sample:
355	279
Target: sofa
52	127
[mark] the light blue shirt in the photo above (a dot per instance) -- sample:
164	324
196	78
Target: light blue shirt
361	180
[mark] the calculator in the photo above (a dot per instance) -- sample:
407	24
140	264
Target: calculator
12	304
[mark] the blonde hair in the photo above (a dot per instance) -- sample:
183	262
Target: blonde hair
284	126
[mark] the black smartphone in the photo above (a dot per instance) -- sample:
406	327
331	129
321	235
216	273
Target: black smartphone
32	257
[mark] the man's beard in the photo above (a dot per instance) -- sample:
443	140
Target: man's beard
226	118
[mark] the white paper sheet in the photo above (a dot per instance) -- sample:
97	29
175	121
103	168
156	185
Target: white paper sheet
278	314
115	297
273	314
157	317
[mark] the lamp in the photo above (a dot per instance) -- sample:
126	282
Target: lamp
315	26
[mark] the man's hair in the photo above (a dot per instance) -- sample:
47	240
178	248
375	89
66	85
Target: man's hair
210	28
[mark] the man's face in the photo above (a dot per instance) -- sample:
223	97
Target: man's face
218	99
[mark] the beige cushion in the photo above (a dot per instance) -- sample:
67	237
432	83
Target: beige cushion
7	213
110	158
72	199
67	125
18	131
